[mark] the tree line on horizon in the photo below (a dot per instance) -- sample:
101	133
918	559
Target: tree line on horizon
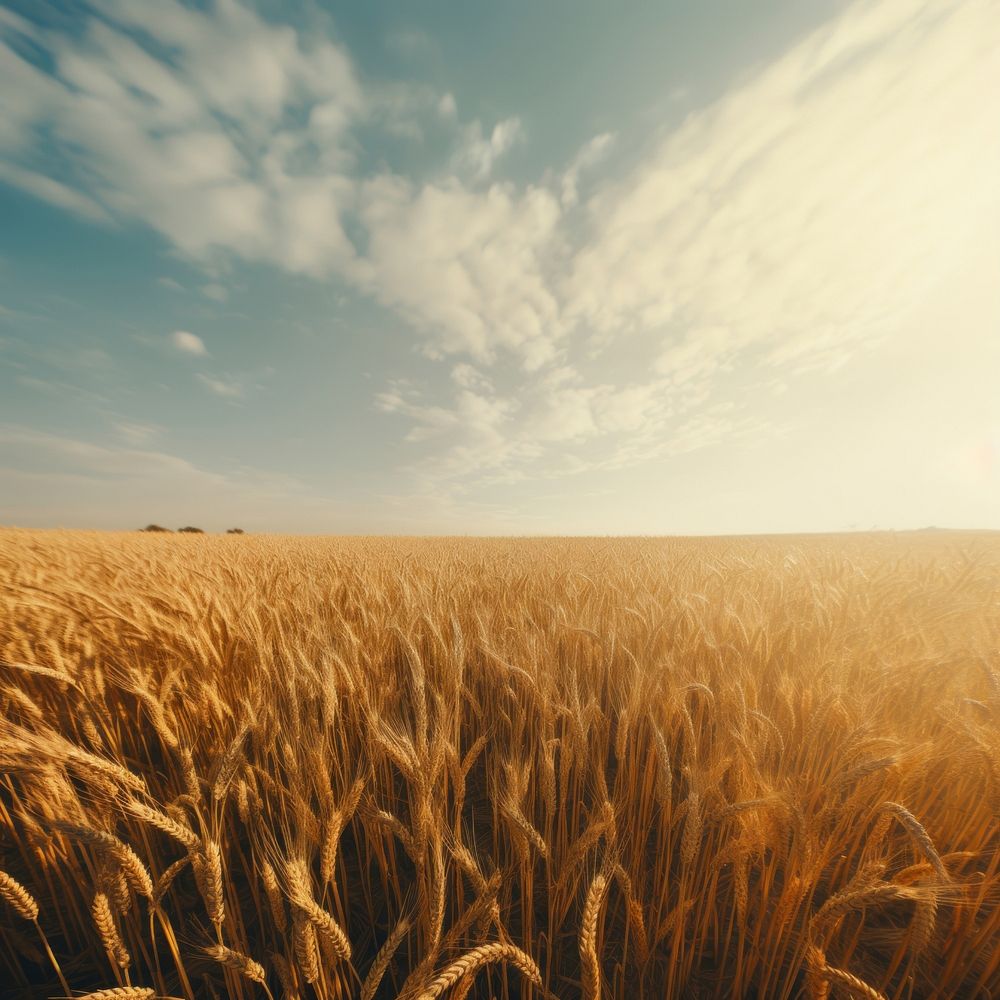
189	529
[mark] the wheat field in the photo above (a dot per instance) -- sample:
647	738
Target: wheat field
375	768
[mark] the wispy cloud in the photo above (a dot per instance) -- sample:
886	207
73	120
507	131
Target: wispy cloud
135	434
477	153
555	425
784	229
122	486
233	144
804	214
54	192
228	388
411	41
589	157
63	390
215	292
83	359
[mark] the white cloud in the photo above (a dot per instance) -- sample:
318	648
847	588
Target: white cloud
188	343
797	213
54	192
696	357
231	145
794	224
806	212
478	153
786	228
589	156
553	425
228	388
469	377
469	270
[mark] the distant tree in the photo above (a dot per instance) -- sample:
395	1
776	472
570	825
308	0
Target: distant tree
154	527
234	531
191	531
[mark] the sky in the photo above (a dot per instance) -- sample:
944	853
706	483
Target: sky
522	268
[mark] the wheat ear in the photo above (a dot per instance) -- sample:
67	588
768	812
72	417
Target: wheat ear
24	905
238	962
855	986
476	959
301	897
104	921
383	958
21	901
306	952
165	824
920	836
121	993
590	966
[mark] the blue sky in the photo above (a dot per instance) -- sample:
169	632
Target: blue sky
500	268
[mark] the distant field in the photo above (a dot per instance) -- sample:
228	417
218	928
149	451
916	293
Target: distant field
376	768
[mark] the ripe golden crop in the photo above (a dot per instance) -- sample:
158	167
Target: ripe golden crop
377	768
